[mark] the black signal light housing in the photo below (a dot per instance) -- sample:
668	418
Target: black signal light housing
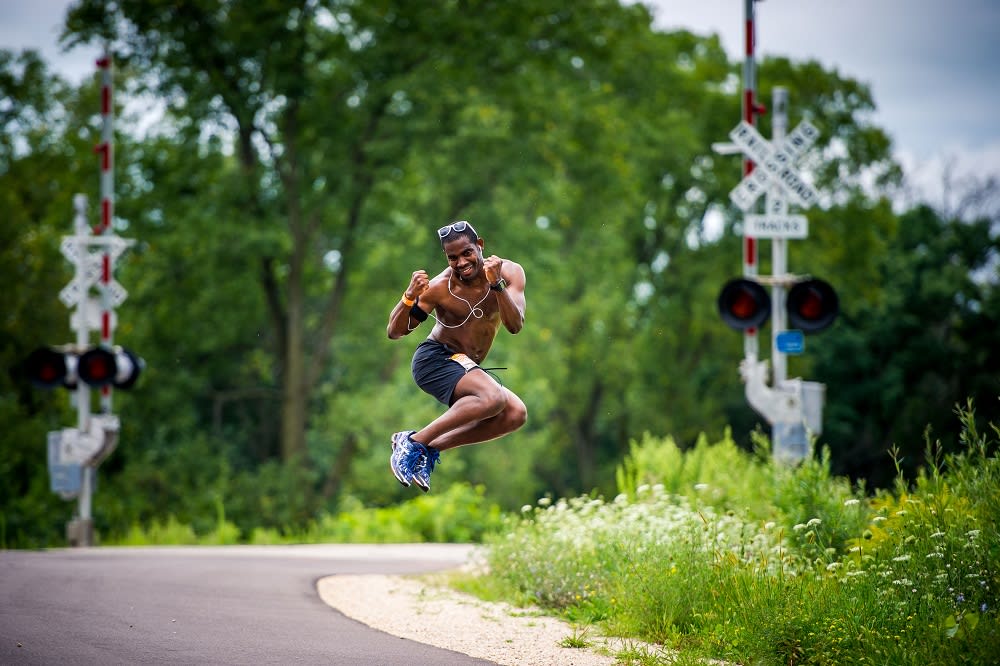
744	304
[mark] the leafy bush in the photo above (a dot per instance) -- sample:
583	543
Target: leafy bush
460	514
720	474
820	512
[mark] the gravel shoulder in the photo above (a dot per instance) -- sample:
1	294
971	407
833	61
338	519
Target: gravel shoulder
424	609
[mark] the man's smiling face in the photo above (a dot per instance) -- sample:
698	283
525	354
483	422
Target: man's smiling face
464	257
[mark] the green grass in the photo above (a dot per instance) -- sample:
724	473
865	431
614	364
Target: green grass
578	639
776	565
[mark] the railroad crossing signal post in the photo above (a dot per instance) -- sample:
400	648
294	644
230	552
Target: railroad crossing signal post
793	407
75	453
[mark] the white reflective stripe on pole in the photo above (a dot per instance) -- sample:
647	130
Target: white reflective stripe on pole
778	205
82	341
750	339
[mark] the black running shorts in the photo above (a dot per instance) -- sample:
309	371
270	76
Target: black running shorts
437	369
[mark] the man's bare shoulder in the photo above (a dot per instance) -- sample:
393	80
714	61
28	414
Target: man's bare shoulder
512	264
512	270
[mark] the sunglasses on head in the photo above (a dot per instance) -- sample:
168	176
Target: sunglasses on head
459	226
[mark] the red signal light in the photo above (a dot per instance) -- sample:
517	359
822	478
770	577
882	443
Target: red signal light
812	305
101	366
744	304
97	367
46	367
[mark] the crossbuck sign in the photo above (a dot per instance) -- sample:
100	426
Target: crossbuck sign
775	166
90	266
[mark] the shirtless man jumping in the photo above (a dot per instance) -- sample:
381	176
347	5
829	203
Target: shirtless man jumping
469	301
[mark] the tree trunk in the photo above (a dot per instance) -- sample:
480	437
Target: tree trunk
294	391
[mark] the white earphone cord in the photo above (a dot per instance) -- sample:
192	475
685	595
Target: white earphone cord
474	310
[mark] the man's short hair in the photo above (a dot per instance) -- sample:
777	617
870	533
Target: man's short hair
459	228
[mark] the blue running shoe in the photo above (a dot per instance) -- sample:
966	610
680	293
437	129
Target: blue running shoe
425	465
405	453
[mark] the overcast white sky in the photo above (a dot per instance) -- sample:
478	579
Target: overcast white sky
933	65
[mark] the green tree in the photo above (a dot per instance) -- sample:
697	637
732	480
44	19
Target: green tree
903	363
324	105
303	157
584	136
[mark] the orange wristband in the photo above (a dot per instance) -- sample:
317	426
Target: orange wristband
407	302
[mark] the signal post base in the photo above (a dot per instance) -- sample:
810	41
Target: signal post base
80	533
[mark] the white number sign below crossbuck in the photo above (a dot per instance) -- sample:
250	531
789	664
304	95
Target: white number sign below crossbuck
775	226
775	165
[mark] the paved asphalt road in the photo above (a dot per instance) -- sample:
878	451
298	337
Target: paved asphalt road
203	605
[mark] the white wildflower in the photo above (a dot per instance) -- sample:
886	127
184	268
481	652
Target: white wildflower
901	558
852	502
813	521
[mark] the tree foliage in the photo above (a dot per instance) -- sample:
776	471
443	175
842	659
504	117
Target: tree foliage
900	365
302	155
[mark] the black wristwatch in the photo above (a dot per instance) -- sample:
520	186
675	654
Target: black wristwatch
499	285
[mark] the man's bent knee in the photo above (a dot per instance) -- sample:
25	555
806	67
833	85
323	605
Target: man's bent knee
499	399
516	414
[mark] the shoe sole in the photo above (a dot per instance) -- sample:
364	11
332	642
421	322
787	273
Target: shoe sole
402	480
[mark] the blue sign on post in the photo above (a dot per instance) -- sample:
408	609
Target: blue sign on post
790	342
65	476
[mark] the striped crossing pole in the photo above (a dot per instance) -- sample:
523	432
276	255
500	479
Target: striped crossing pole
105	150
750	111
